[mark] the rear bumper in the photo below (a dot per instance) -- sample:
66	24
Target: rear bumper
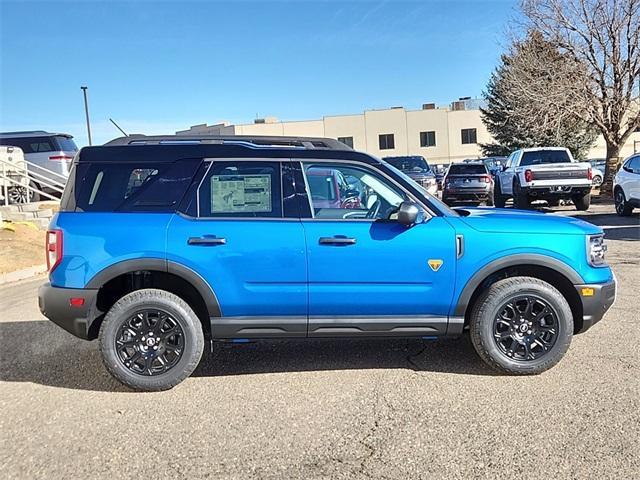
55	304
468	194
557	191
596	300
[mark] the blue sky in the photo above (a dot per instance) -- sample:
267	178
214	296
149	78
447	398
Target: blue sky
160	66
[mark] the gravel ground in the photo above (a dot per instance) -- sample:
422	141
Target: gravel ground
328	409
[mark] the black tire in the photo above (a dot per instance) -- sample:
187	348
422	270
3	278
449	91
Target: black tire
485	317
127	310
623	208
597	181
554	202
582	202
34	196
499	200
520	199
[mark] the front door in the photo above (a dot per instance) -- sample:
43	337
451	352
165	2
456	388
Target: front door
369	275
242	235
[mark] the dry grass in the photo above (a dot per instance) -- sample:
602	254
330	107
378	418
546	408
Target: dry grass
21	248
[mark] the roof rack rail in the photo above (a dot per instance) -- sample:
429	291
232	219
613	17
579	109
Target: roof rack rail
251	141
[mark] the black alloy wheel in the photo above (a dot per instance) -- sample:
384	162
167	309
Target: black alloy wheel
150	342
525	328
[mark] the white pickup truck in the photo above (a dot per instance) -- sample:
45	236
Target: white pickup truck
546	173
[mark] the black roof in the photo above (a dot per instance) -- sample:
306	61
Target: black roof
33	133
136	148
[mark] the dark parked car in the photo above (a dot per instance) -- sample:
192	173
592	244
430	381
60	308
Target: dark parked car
418	169
493	164
468	182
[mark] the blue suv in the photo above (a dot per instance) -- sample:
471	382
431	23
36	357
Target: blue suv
165	243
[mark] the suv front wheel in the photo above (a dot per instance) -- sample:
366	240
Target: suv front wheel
151	340
521	326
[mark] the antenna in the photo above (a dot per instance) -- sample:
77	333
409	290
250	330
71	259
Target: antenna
118	127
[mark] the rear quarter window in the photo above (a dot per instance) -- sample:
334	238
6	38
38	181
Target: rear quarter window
128	187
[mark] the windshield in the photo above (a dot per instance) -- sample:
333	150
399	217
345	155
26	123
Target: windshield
467	169
540	157
410	164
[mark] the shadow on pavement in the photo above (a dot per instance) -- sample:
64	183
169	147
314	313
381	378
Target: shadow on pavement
615	226
41	353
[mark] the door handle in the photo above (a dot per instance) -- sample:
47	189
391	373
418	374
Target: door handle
337	241
205	241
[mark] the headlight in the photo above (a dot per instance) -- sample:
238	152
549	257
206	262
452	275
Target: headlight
596	249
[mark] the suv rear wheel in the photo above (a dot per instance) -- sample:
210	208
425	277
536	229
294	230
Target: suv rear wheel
521	326
151	340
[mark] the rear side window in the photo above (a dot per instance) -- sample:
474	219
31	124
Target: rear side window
240	189
128	187
31	144
467	169
544	156
66	144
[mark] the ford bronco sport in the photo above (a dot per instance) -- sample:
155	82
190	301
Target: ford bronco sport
165	243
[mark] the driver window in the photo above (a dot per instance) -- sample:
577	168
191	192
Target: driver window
339	191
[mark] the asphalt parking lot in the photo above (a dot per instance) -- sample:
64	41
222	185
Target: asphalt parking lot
329	409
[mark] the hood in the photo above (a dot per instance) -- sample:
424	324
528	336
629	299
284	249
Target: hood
500	220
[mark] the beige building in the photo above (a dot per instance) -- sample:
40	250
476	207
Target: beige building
440	134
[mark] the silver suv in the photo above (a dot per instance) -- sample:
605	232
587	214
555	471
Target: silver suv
51	151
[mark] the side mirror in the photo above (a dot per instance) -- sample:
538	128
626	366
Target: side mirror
408	213
503	168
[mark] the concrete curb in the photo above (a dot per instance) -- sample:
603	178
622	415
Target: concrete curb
22	274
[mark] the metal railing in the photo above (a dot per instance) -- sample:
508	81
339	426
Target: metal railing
24	174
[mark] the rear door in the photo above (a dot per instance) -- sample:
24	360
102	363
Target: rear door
241	233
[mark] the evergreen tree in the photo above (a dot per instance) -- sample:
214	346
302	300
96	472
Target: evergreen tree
532	101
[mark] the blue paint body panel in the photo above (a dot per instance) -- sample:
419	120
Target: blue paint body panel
260	270
95	241
385	272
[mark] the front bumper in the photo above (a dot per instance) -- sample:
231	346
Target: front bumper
55	304
596	300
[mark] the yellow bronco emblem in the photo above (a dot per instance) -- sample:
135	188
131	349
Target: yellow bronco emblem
435	264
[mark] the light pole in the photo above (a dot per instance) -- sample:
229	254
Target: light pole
86	112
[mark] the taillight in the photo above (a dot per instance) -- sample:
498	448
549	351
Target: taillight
589	174
486	179
528	175
54	249
61	158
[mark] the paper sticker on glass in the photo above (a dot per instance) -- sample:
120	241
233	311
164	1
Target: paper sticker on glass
240	193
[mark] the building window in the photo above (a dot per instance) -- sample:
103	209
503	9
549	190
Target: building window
427	139
348	141
386	141
469	135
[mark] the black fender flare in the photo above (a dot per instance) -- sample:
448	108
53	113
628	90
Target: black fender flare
160	265
512	261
